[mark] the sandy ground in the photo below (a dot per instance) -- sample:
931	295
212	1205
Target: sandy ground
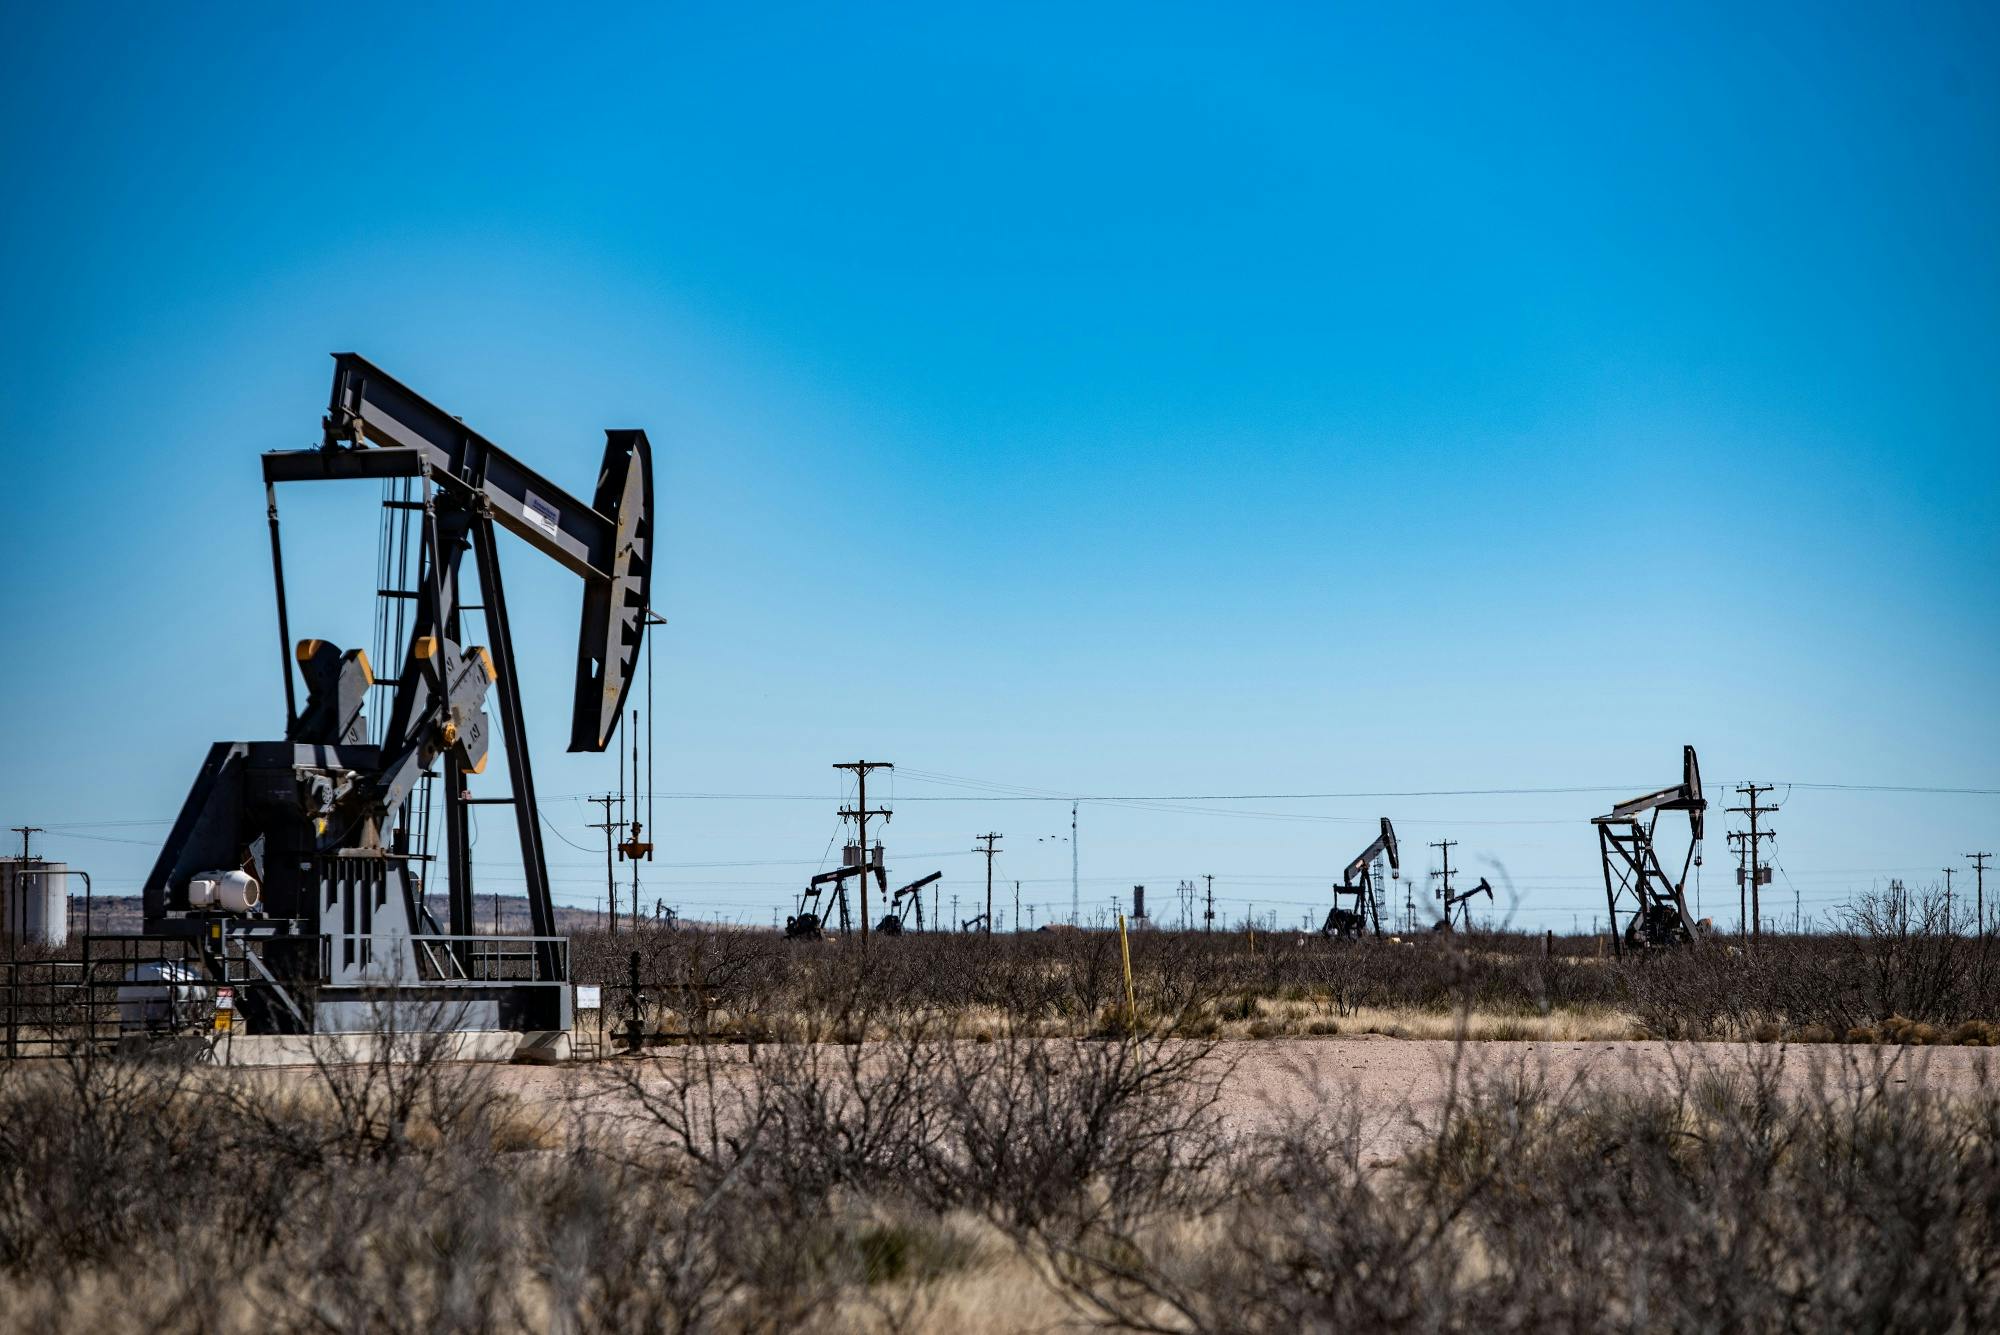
1398	1082
1395	1083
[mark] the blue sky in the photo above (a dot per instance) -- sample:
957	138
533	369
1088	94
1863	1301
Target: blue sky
1138	400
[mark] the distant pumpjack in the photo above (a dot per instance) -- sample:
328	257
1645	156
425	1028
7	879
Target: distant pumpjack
809	923
1455	900
1635	883
1357	879
903	902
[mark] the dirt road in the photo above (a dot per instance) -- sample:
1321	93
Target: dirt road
1395	1084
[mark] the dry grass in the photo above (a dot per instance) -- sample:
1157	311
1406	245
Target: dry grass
993	1290
1265	1017
1274	1016
1292	1019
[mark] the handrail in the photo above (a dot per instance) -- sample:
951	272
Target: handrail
547	956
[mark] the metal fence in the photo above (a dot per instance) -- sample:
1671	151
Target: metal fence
131	989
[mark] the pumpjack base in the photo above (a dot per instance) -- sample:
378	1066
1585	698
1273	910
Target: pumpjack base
216	988
281	1050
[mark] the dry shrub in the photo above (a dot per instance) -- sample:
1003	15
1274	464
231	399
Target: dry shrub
1977	1033
824	1185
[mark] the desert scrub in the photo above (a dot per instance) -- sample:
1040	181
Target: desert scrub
923	1179
1895	957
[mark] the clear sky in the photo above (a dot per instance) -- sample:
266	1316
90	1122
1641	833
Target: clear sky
1116	401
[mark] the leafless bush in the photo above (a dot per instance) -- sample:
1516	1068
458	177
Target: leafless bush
1917	959
1714	1203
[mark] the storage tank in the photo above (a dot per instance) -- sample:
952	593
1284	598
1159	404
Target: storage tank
34	902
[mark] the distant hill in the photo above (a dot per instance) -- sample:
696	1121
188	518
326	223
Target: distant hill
113	914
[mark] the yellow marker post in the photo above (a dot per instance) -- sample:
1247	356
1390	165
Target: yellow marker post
1125	957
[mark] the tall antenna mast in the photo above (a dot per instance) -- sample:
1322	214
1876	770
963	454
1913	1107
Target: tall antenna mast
1075	904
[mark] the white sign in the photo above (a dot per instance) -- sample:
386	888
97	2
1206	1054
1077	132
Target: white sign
589	997
542	515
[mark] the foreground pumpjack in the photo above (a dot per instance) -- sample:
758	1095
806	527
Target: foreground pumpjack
1653	904
1358	880
298	868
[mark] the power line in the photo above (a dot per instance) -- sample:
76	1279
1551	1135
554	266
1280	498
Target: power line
1059	797
1015	795
556	830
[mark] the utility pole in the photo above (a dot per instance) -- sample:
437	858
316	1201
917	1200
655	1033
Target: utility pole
988	845
1978	861
1742	885
1017	907
634	847
610	871
24	831
1208	917
1444	846
1947	898
859	814
1751	851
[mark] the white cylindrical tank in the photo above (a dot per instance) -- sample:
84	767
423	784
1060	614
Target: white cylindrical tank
34	902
